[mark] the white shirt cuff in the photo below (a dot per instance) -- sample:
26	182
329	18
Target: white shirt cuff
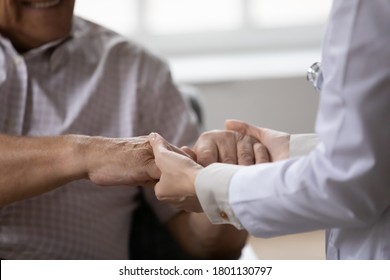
302	144
212	188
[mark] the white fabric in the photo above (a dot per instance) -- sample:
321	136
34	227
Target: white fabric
344	183
96	83
302	144
211	186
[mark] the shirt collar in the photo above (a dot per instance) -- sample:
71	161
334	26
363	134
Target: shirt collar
78	28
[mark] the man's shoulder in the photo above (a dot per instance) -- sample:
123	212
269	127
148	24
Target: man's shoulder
103	39
98	35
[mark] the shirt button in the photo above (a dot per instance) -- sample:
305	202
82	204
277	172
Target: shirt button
223	215
17	60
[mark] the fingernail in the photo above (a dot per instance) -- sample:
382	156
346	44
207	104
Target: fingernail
153	136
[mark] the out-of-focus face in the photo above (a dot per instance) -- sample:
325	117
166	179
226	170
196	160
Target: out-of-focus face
32	23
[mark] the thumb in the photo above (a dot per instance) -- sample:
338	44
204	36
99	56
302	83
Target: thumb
158	145
246	129
165	154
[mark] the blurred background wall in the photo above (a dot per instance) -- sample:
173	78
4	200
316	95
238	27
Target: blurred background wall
246	58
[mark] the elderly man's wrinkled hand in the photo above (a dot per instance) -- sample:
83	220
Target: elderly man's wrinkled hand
229	147
276	142
120	161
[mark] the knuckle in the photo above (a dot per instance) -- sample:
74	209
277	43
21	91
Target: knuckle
260	148
229	159
206	154
208	134
240	136
248	139
246	156
213	136
207	158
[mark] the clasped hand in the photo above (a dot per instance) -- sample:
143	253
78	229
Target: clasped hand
240	143
153	161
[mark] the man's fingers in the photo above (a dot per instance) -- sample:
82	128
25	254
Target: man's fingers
227	149
245	153
206	153
261	153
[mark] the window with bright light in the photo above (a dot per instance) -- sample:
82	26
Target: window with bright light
119	15
180	26
288	13
183	16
